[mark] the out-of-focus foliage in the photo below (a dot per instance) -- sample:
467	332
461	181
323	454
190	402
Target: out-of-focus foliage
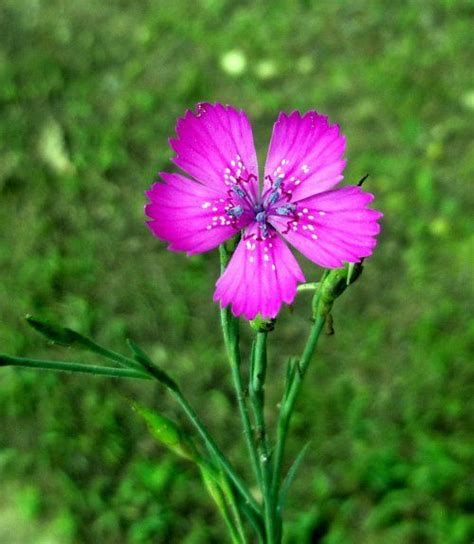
89	94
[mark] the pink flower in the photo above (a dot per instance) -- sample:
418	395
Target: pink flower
296	204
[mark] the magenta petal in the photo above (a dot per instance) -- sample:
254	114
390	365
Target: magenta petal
188	215
306	152
215	146
261	275
333	227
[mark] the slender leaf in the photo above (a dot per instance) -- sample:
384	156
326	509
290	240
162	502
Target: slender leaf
291	475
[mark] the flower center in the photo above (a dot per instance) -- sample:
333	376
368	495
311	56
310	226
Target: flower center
275	201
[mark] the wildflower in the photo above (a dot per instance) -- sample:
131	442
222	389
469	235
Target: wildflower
296	203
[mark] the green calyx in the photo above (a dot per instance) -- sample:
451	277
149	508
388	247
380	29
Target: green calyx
262	325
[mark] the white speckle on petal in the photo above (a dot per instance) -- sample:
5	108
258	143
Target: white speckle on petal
206	205
314	236
266	258
322	213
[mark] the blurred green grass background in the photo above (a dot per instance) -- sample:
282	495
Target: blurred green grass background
89	94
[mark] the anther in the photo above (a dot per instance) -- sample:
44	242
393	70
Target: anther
277	183
261	217
287	209
273	197
238	191
236	211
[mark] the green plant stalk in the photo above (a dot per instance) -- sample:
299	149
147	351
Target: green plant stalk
234	507
111	372
294	385
307	287
214	448
257	395
219	496
253	510
230	330
287	407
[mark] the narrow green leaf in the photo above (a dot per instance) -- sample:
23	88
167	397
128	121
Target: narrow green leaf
55	333
26	362
214	487
67	337
291	475
291	367
145	362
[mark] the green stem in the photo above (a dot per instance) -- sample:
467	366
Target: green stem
222	496
307	287
215	450
230	329
109	354
288	404
6	360
234	508
257	394
231	340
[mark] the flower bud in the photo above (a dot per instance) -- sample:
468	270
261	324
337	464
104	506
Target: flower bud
167	432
